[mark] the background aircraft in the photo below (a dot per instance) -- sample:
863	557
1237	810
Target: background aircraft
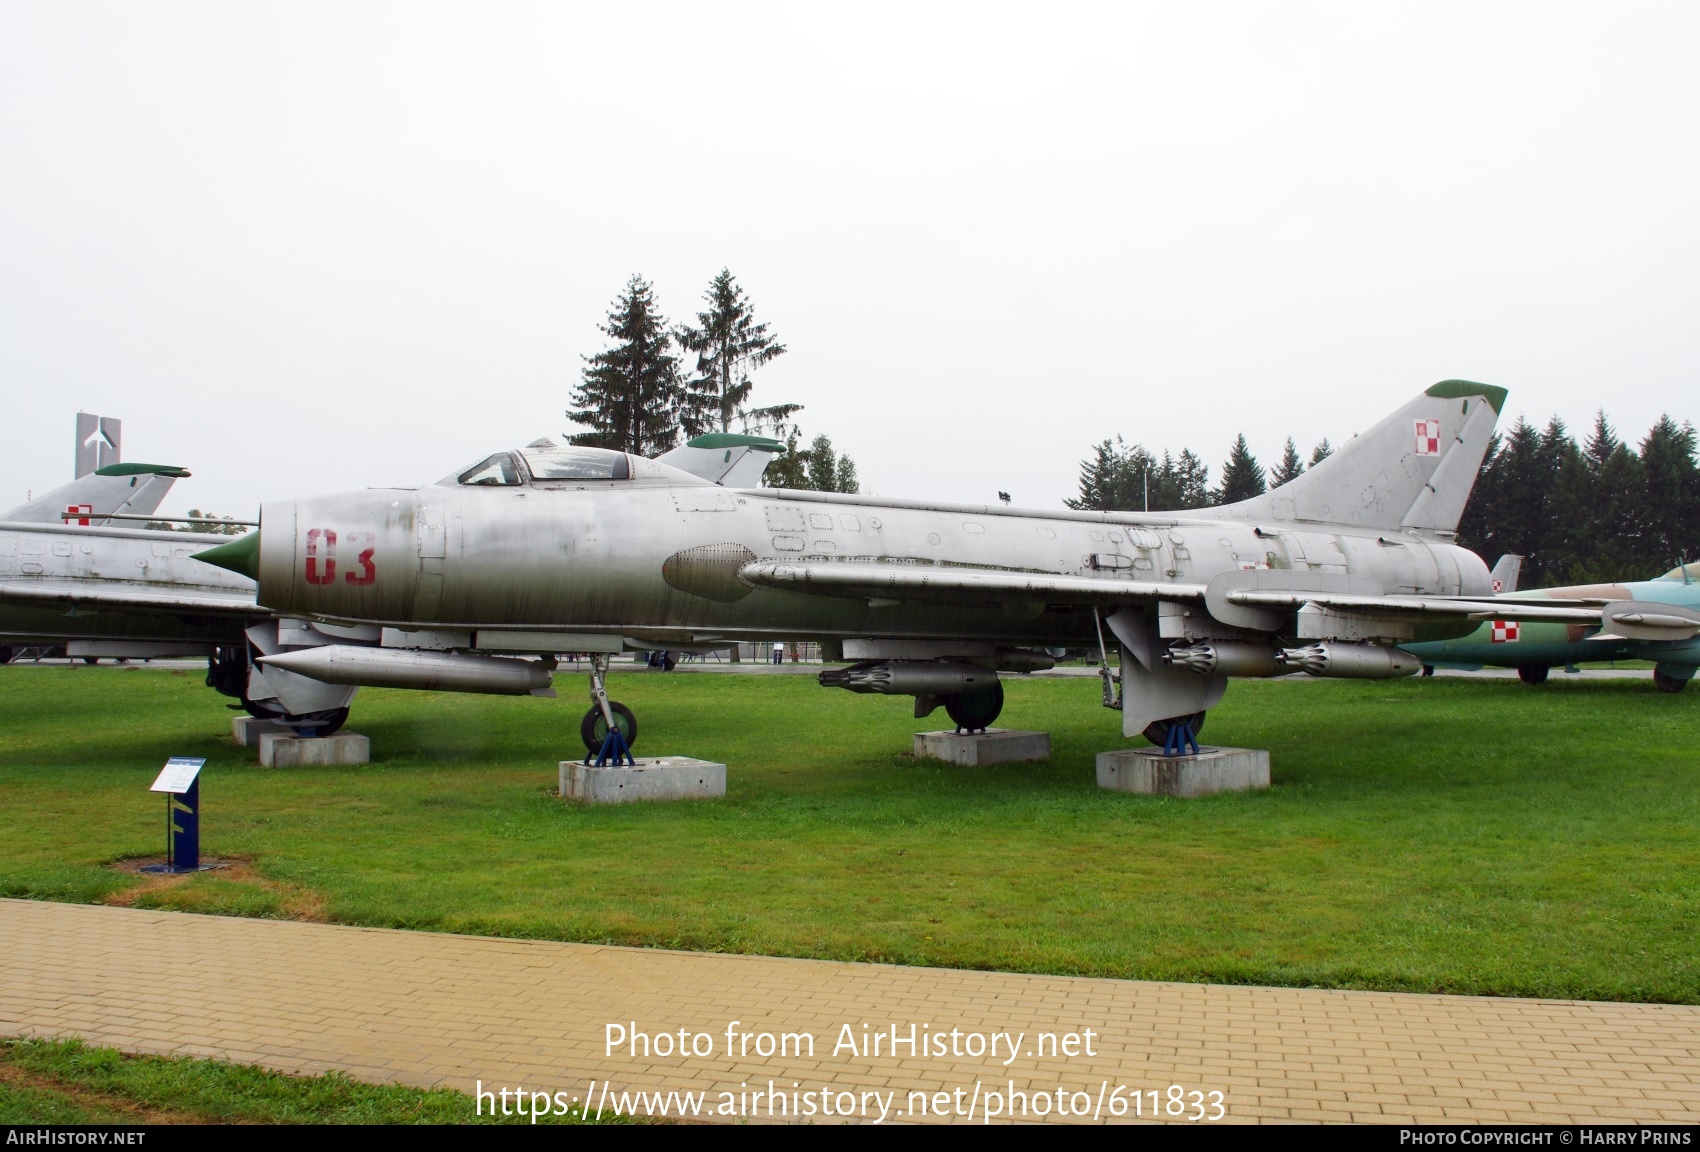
77	569
543	550
1653	620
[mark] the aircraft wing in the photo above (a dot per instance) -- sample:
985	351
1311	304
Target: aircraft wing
960	585
1421	607
106	596
956	585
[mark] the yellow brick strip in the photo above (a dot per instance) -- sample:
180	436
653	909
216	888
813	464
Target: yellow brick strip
428	1009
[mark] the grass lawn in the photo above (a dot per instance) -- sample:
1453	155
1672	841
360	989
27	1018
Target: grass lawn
65	1082
1452	835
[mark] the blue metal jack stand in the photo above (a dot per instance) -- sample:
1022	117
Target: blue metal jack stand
1179	739
614	747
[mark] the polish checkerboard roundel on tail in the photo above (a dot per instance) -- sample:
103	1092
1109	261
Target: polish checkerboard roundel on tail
1413	469
1428	437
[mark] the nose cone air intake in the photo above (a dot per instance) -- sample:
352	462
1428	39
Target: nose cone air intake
241	556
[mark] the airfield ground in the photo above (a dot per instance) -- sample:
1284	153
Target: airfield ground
68	1082
1454	835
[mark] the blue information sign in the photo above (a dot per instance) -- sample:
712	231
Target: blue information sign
180	780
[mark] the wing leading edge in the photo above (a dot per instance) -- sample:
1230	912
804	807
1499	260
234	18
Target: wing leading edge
92	597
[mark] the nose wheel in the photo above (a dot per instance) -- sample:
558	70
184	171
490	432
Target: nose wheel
593	729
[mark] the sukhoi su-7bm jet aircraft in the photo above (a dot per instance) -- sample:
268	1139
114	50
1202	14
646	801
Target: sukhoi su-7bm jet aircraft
477	581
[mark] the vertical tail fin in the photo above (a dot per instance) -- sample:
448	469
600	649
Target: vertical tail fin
137	489
1505	572
1414	469
730	459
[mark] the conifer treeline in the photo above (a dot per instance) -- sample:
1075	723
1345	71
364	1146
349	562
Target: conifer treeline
1122	479
1577	513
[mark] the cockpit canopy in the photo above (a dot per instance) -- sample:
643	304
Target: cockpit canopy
554	463
545	461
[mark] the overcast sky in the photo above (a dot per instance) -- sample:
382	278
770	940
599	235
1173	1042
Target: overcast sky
304	247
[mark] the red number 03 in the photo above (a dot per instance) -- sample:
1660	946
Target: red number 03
320	557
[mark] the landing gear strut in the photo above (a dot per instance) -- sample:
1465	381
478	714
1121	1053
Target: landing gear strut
609	729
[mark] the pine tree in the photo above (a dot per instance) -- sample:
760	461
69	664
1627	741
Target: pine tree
822	465
631	395
1321	452
1481	510
846	477
1289	468
1567	513
818	467
729	345
1669	498
1606	529
790	469
1115	479
1099	478
1191	480
1242	476
1118	478
1511	509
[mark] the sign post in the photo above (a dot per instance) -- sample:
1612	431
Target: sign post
180	781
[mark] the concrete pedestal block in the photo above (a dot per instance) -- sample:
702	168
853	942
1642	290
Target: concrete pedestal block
979	749
247	730
1148	771
654	778
279	751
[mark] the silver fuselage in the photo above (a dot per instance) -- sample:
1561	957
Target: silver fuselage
656	556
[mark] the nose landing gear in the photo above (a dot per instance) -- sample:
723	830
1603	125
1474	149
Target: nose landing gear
609	729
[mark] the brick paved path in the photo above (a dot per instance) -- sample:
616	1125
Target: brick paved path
425	1008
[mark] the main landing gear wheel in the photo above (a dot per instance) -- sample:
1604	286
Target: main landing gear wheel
1158	730
5	655
1532	674
975	711
1668	683
593	729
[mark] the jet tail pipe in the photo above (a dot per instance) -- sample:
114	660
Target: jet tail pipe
409	668
1226	658
910	678
1351	661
